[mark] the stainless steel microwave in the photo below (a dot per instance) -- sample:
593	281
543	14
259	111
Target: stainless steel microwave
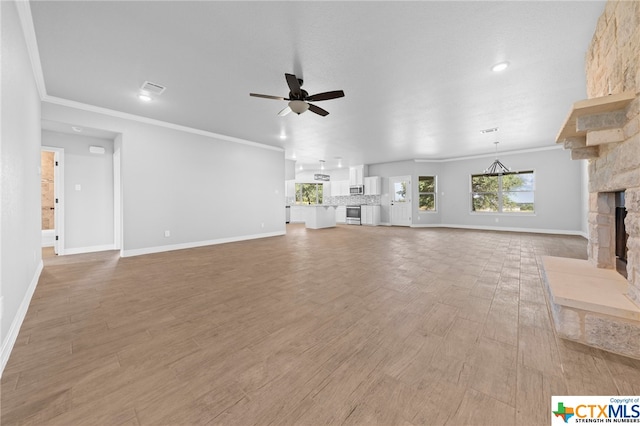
356	190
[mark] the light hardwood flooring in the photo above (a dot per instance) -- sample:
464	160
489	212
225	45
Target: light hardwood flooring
350	325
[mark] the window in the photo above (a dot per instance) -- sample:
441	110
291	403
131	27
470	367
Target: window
507	193
309	193
427	193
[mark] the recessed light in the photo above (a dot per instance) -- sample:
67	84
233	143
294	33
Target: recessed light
76	129
501	66
144	98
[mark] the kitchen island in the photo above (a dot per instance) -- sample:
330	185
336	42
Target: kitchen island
316	216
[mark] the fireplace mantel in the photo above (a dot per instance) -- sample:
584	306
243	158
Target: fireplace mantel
593	122
592	107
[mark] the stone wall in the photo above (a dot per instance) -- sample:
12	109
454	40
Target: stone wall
612	67
612	62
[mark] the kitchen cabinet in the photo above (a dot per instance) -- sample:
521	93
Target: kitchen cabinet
357	175
341	214
372	185
320	217
339	188
315	216
327	189
344	187
370	215
297	214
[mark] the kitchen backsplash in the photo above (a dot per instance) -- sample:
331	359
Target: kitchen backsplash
344	200
349	200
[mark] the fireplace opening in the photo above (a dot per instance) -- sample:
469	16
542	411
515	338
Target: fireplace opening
621	234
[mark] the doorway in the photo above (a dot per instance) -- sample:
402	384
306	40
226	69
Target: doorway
51	190
400	201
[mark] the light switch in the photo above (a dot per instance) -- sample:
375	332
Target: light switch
78	187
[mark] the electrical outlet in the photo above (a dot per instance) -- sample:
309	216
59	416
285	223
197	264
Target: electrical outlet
167	234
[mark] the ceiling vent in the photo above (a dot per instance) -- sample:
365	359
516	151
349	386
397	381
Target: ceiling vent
153	88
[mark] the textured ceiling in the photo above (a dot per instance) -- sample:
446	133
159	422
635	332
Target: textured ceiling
416	75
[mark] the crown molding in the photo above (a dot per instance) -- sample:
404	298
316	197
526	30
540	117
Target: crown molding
493	154
132	117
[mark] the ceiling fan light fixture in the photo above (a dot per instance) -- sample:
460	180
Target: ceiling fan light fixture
298	106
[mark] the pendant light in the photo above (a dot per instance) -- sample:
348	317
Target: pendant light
497	168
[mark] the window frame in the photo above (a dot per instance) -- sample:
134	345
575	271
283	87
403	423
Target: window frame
298	193
435	194
500	194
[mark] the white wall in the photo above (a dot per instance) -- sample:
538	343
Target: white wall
558	200
289	169
20	222
88	213
201	188
559	196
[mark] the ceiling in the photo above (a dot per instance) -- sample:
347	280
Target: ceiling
416	75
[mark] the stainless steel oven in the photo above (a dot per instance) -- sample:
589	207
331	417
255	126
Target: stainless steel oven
353	215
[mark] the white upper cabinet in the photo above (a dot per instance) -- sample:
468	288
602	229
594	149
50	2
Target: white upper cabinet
357	175
339	188
372	185
328	190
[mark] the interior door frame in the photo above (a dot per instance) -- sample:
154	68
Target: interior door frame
58	194
117	194
409	197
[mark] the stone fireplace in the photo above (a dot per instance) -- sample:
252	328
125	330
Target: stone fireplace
590	301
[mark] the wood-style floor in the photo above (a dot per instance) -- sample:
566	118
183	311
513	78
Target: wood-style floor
351	325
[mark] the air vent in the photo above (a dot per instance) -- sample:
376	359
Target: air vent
491	130
154	88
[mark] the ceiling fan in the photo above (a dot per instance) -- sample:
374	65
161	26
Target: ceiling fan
299	98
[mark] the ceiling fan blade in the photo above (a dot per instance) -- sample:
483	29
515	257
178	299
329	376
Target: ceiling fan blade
325	96
277	98
285	111
318	110
294	85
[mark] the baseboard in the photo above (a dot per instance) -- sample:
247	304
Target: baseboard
172	247
12	336
507	229
90	249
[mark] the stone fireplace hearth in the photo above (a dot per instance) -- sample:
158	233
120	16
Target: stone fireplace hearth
590	301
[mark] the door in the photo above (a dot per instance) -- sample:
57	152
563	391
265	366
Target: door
400	200
52	184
